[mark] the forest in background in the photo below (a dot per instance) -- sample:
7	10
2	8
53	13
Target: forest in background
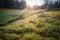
12	4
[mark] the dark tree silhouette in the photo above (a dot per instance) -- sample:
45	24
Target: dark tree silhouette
50	5
57	4
13	4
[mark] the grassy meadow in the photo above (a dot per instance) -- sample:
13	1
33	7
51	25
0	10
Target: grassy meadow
29	25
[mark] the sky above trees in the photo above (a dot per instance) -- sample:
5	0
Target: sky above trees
34	2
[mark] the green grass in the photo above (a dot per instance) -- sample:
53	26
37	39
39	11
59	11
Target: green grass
33	27
8	15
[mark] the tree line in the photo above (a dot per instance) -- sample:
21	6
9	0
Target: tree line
51	4
57	4
14	4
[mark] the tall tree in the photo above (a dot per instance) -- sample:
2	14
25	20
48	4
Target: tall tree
15	4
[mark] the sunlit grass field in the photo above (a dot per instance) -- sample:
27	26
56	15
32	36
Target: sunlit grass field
29	25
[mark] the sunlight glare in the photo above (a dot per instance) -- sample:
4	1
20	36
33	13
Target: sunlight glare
34	2
31	5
